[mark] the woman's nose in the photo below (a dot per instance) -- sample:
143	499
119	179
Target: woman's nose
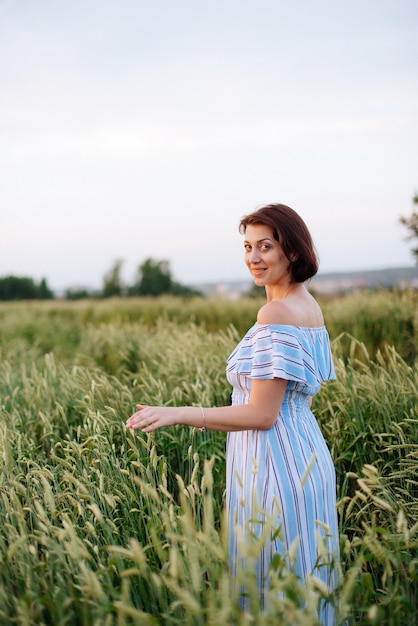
254	256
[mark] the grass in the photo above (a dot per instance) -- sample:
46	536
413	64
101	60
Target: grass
103	527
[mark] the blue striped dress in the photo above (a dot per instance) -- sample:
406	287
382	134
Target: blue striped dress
284	474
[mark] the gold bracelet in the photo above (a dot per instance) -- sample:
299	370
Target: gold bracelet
204	420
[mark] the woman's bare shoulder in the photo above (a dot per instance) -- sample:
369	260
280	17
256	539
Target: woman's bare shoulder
303	312
276	312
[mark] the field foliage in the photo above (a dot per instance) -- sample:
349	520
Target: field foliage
101	526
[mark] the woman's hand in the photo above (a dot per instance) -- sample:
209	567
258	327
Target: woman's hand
149	418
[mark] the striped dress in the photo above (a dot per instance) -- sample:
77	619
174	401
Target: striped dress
284	474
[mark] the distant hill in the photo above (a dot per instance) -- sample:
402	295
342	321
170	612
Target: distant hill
333	282
328	282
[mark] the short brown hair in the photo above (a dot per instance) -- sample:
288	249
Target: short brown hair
292	233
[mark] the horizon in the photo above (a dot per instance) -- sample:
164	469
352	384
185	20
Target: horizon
249	280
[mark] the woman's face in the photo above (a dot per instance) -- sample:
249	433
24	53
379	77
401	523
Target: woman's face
264	256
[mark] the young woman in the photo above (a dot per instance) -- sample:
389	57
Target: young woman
278	464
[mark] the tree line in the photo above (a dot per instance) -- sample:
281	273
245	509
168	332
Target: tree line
23	288
153	278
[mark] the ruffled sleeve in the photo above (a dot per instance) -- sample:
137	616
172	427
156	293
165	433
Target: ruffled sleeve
296	354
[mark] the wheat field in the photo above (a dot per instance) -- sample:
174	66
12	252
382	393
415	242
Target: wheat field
102	526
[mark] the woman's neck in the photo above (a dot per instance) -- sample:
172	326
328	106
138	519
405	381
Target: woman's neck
279	292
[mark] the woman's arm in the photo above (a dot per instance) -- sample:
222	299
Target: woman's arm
259	414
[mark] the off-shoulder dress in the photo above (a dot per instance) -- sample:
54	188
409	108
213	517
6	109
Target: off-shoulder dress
284	474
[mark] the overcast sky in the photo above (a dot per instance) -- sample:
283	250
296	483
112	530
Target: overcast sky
132	129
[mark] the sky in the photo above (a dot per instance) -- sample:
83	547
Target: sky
132	129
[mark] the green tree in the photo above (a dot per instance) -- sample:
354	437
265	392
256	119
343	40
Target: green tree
177	289
76	294
24	288
112	282
411	223
153	279
44	292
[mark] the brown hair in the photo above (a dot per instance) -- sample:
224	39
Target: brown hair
293	234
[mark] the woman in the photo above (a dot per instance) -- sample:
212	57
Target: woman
278	465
